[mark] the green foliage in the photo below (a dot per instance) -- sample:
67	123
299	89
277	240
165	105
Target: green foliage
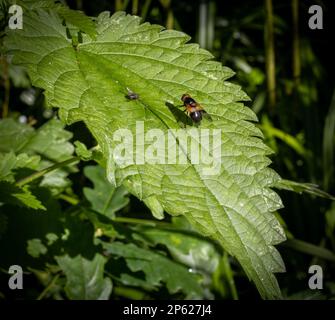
84	231
14	136
303	187
85	278
12	194
27	233
328	145
142	57
157	268
82	151
198	254
310	249
104	198
24	148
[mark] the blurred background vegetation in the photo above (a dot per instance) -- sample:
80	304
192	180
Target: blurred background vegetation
287	70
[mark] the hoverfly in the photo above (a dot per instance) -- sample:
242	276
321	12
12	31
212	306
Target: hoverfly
193	108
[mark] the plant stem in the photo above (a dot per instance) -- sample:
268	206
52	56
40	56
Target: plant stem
147	222
328	145
230	276
79	4
48	287
41	173
145	9
69	199
203	24
118	5
211	25
125	5
166	4
296	47
170	19
5	76
309	248
270	56
129	293
134	9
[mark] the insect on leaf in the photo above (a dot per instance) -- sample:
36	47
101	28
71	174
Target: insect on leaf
88	83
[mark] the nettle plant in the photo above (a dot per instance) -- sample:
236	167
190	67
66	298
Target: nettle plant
86	67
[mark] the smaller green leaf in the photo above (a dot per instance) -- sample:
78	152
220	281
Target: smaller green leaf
51	141
303	187
310	249
157	268
79	20
84	277
14	135
25	147
23	160
7	164
10	161
104	198
36	248
197	253
156	208
28	199
102	224
82	151
56	181
12	194
131	281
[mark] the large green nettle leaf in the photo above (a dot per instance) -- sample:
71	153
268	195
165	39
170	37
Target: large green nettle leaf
88	83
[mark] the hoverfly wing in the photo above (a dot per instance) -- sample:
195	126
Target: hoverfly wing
207	116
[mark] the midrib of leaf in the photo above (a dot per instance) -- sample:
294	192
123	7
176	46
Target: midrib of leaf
84	282
109	200
258	268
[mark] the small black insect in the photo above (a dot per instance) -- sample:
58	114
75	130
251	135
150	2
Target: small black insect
132	95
